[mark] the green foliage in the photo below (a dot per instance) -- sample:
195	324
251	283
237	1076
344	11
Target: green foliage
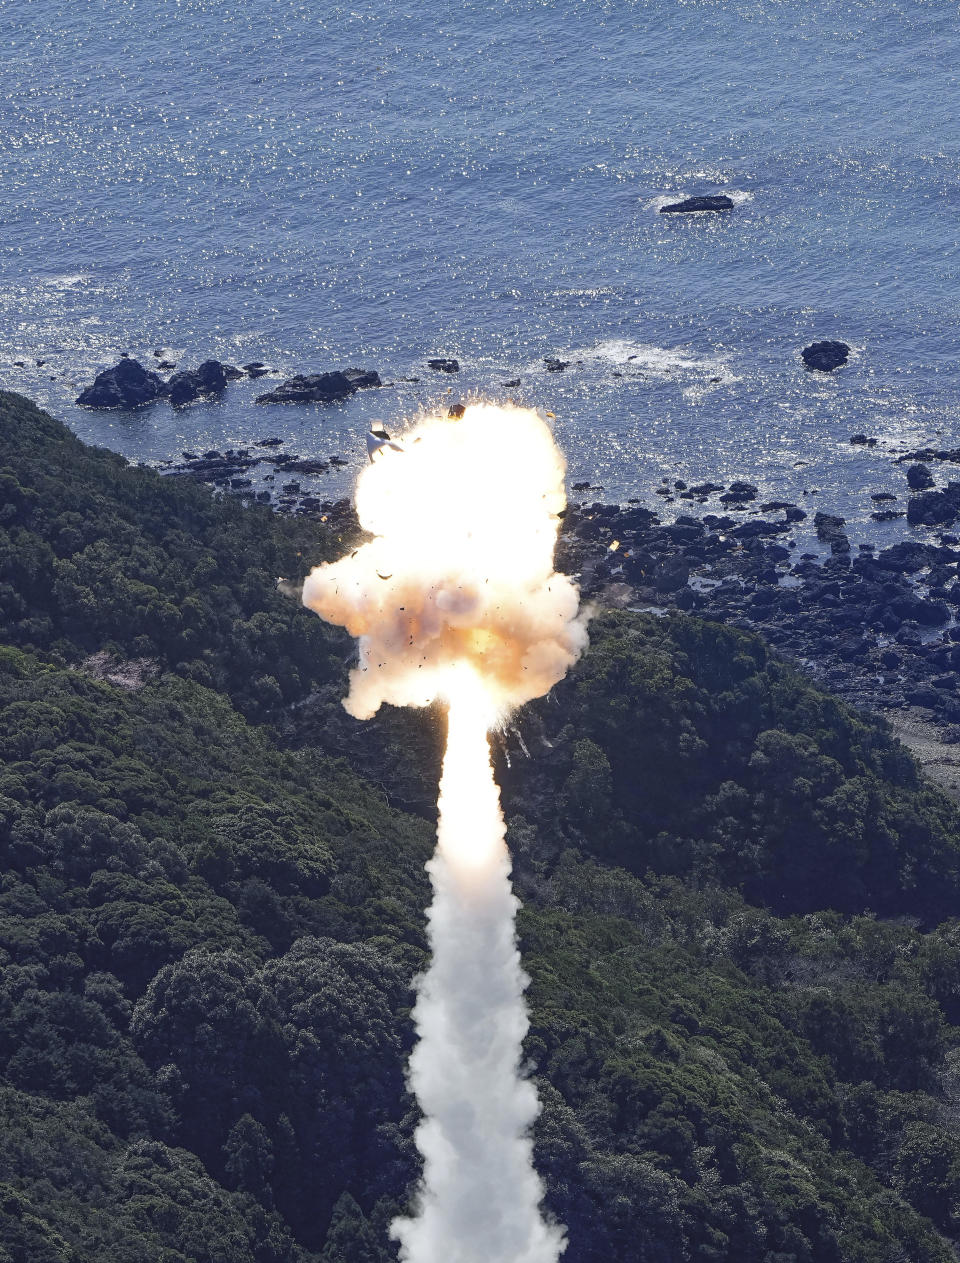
95	553
208	929
682	747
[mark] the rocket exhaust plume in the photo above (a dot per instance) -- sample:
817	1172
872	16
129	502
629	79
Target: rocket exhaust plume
455	598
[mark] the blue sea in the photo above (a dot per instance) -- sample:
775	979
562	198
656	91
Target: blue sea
319	186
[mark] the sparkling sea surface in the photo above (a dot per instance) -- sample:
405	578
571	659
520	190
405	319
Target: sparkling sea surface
321	186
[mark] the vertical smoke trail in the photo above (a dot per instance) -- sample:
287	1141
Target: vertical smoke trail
456	600
480	1194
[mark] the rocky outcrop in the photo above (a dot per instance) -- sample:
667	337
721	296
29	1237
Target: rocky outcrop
935	508
209	379
441	365
919	478
128	385
692	204
553	365
830	531
825	356
318	387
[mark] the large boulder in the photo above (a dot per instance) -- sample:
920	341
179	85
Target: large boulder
919	477
128	385
691	204
825	356
935	508
830	531
209	379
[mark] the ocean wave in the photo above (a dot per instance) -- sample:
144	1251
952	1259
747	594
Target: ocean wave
661	363
739	197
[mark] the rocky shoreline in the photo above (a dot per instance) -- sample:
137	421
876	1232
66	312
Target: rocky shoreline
879	627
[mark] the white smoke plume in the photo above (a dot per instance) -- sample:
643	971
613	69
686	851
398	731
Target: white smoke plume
456	598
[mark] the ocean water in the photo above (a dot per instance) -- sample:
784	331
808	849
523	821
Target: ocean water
322	185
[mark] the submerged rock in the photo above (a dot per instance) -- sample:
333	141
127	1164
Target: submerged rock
128	385
690	204
554	365
825	356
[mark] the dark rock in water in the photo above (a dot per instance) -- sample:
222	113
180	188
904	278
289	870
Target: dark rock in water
269	443
830	531
256	369
183	388
757	528
919	478
167	365
230	371
316	388
746	490
910	555
306	466
128	385
690	204
827	524
362	378
215	375
441	365
456	411
935	508
554	365
886	515
514	381
951	454
878	496
825	356
209	379
706	488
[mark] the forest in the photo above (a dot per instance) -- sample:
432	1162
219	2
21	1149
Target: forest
737	917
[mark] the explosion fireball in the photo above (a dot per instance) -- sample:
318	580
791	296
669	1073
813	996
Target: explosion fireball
455	598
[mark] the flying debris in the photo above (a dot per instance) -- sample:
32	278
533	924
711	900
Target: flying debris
378	439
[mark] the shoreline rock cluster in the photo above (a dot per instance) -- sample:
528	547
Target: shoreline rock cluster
880	627
129	385
877	627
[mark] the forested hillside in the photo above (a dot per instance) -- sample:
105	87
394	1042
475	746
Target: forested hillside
745	988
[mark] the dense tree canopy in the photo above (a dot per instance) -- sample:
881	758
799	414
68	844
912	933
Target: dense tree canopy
745	987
